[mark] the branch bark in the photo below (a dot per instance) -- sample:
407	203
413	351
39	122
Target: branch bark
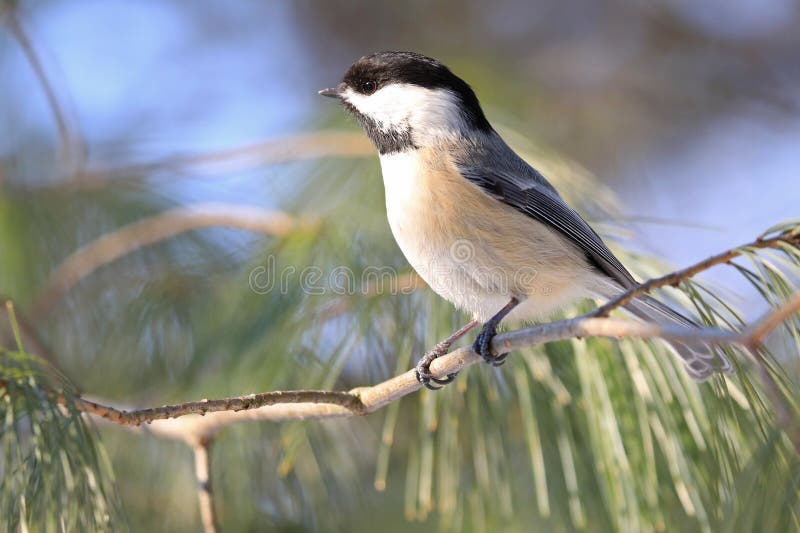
199	421
298	405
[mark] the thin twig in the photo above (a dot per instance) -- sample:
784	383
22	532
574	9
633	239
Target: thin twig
205	495
188	429
151	230
676	277
349	404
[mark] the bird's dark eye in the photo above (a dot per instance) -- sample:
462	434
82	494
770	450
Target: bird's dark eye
368	87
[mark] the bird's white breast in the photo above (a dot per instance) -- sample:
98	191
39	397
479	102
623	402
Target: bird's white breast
401	179
423	224
471	249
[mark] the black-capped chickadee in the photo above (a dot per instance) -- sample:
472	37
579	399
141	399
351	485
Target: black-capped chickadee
483	228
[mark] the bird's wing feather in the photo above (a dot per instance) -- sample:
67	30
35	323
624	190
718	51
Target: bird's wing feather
523	188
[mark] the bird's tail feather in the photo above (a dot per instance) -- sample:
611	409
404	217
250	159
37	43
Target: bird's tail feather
700	360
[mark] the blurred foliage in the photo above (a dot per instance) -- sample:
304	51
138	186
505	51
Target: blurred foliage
588	435
591	434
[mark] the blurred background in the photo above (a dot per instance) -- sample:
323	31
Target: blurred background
685	113
682	107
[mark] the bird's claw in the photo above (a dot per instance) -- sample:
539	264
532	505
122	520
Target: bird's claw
423	368
483	346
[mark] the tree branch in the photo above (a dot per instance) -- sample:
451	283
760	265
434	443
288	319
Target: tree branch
194	422
294	405
347	402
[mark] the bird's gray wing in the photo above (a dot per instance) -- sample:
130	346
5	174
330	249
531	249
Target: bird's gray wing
517	184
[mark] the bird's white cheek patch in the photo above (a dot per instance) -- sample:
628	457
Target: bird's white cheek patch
398	105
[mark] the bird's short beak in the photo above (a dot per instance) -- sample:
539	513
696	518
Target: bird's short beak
333	93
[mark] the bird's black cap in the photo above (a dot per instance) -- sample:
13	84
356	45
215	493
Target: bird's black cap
374	71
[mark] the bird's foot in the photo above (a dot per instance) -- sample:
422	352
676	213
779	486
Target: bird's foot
423	367
483	345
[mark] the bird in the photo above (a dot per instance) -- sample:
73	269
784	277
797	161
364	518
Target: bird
483	228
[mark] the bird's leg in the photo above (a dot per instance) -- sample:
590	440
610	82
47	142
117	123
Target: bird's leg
483	344
423	367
